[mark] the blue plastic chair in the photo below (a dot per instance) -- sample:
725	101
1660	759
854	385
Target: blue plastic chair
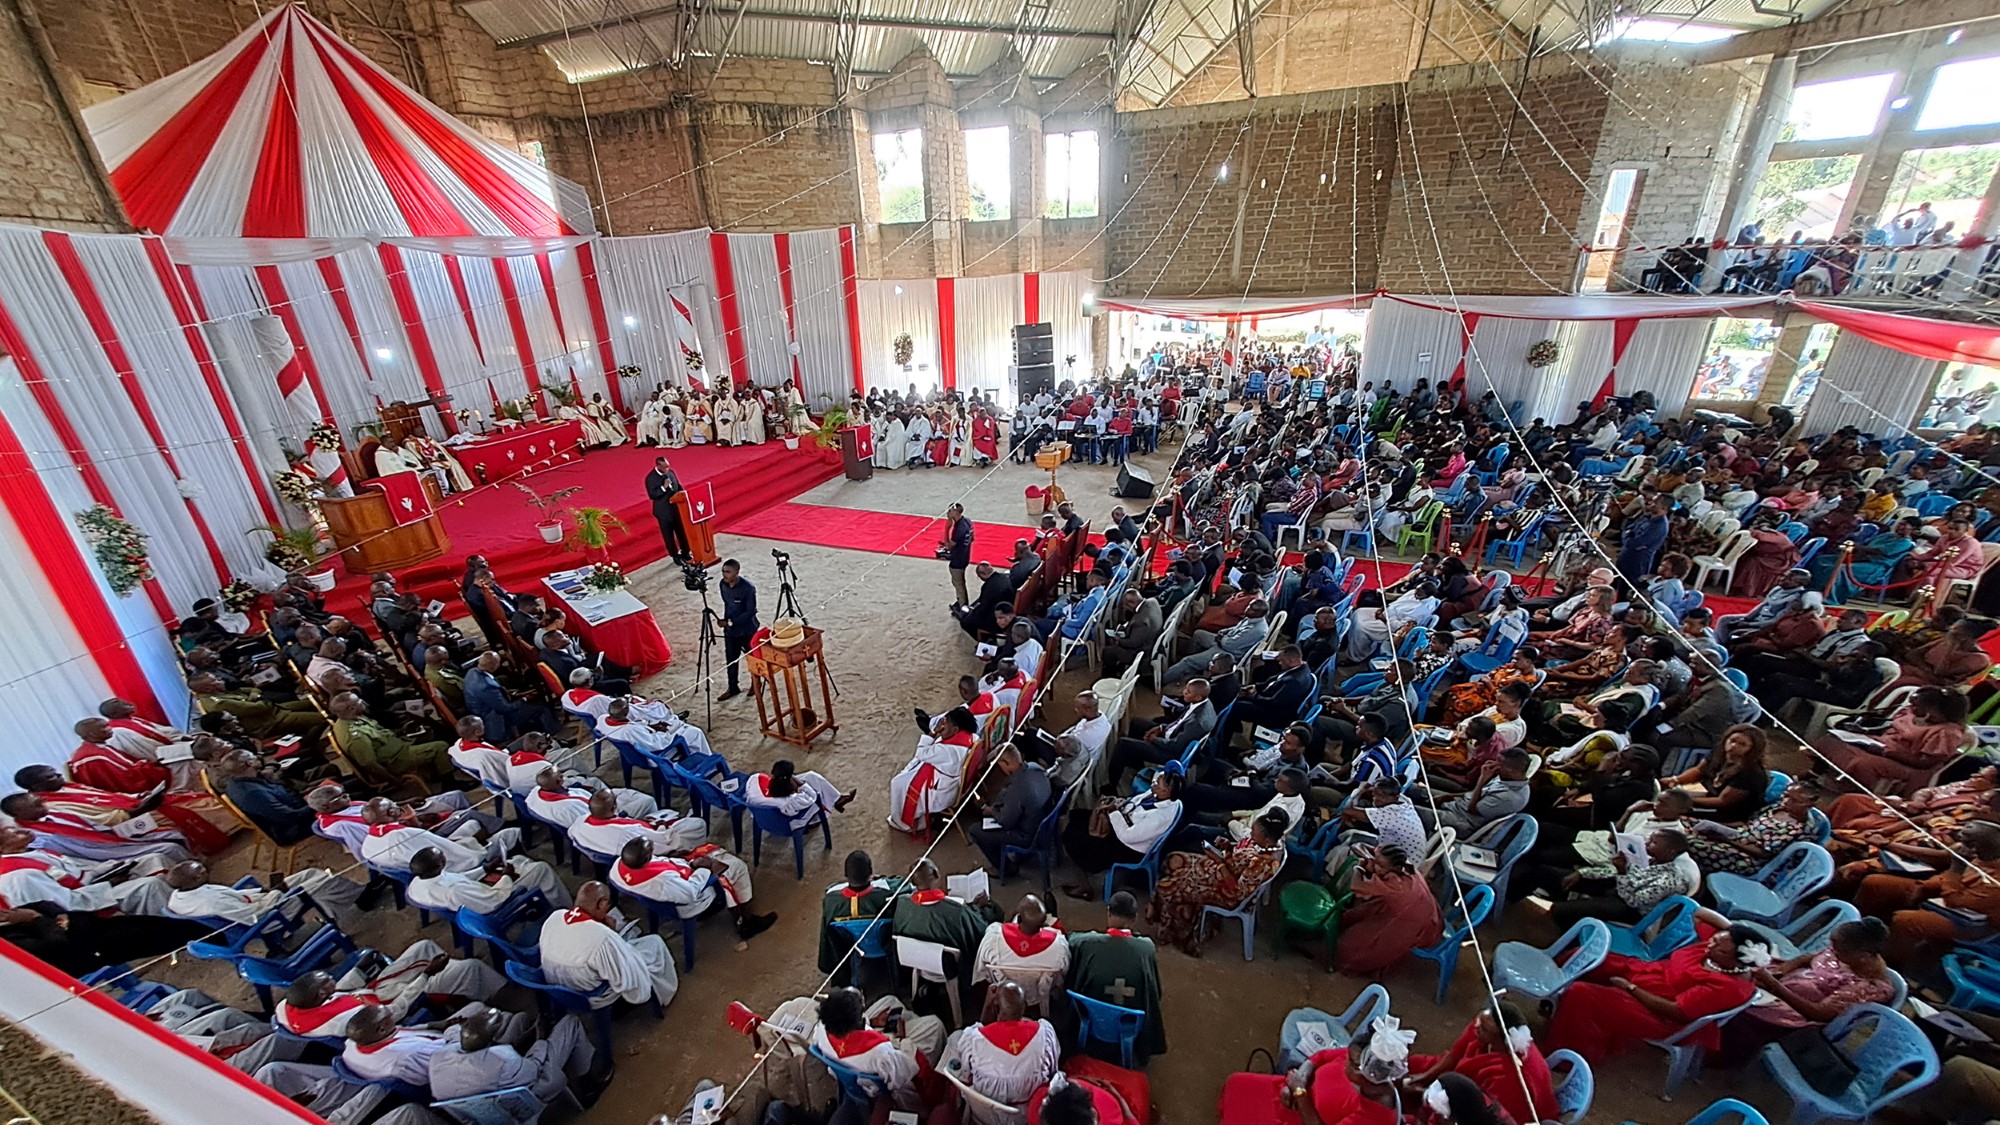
861	1089
396	1087
1728	1111
274	931
1512	837
1575	1086
1373	1001
1544	973
1245	912
1459	922
1975	982
1684	1056
765	819
327	948
1517	547
513	932
1671	924
1776	890
1934	504
1779	782
1042	849
558	834
708	795
1109	1023
1362	538
1893	1047
1808	549
1149	864
516	1105
130	990
569	1001
1819	828
871	937
1809	932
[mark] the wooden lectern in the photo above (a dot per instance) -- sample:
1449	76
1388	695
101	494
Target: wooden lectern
697	509
370	539
782	680
857	452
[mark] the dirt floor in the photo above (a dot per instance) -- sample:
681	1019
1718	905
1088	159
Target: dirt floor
891	647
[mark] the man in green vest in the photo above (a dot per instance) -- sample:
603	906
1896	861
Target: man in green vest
260	717
927	913
376	750
859	899
1119	967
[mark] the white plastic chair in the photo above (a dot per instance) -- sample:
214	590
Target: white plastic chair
908	949
980	1109
1812	716
1724	561
1438	847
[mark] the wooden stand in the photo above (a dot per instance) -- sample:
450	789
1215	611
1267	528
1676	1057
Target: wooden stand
857	454
700	533
789	714
1051	457
370	539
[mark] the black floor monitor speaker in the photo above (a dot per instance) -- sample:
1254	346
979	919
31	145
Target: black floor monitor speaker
1032	379
1034	344
1134	483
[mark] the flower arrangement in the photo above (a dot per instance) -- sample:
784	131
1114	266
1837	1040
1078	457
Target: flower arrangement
293	549
325	436
605	577
632	371
690	358
120	548
1544	353
297	486
238	595
905	349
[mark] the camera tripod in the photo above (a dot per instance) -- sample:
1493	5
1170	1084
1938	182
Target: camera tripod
703	664
788	603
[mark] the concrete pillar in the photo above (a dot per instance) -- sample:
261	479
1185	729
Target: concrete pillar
1767	122
1915	70
1786	353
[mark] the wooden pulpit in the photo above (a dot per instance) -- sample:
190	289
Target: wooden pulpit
696	504
371	540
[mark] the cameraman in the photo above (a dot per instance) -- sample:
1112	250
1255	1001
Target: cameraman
956	550
739	620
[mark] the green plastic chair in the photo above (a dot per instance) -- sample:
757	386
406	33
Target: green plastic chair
1423	528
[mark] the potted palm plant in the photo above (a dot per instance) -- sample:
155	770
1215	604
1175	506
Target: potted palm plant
551	525
593	531
297	550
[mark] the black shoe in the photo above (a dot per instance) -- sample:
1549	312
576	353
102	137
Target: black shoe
732	693
755	924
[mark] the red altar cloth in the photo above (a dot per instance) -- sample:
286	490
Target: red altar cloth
632	637
405	490
521	450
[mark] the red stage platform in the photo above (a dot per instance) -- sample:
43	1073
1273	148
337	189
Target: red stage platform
497	521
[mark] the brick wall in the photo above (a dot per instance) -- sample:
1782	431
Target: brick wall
46	177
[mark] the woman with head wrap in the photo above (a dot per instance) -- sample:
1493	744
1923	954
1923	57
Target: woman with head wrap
1627	1000
1394	911
1496	1052
1813	988
1351	1085
1455	1099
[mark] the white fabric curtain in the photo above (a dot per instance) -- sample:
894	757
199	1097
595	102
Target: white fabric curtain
1662	357
890	309
819	312
1577	373
638	274
1404	343
1865	385
760	302
579	340
1498	361
1062	307
988	308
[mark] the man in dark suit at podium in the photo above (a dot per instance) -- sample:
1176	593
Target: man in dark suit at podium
662	485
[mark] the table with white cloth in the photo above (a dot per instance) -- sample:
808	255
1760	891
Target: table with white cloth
615	622
519	450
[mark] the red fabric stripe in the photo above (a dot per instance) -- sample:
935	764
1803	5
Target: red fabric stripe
280	302
34	511
155	179
1031	298
586	263
336	287
1621	338
524	350
947	306
187	305
277	204
732	316
84	288
423	204
783	243
455	271
1467	324
850	285
508	198
413	320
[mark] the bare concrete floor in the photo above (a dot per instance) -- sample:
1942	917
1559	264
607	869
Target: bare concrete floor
891	647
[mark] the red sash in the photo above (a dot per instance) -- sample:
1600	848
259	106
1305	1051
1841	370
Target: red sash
304	1021
92	796
653	870
144	730
1026	944
981	705
926	898
379	830
913	798
24	862
859	1043
523	757
1011	1036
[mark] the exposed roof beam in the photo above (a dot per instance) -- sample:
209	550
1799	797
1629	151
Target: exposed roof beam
892	22
1848	27
1251	11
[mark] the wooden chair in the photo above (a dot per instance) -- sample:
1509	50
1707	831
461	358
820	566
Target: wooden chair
283	856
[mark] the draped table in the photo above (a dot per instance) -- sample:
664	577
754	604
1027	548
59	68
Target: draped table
616	624
520	450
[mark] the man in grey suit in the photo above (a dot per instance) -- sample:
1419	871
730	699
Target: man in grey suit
1020	809
1139	628
1238	640
1165	740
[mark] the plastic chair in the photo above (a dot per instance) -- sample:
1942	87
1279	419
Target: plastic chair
1423	529
764	818
1808	549
708	795
1775	787
1459	922
1893	1046
907	946
570	1001
130	990
1776	890
516	1105
512	933
1517	547
1246	912
871	936
1575	1086
1544	973
396	1087
1511	837
1149	864
326	948
1728	1111
1975	982
1671	924
980	1109
1684	1056
855	1086
1723	561
1097	1020
1809	932
1042	848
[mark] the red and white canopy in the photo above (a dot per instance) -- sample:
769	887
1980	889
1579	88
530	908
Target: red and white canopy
289	132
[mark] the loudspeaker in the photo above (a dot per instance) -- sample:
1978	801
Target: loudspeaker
1032	379
1133	483
1034	344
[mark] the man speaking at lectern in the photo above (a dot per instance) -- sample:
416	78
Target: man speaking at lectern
662	485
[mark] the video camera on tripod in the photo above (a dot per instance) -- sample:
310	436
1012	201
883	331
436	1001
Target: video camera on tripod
694	577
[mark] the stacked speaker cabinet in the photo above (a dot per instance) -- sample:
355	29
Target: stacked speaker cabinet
1034	358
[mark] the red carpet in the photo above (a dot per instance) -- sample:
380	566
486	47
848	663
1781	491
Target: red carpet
497	521
878	533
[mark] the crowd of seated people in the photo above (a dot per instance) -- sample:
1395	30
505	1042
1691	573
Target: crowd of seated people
1906	253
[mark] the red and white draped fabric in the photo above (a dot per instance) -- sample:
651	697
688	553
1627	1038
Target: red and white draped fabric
685	336
302	404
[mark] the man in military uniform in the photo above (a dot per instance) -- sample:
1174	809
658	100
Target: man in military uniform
376	750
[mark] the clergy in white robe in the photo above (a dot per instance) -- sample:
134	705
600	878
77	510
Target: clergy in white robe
1028	951
195	897
560	803
652	422
928	784
657	735
605	830
725	420
581	951
917	440
392	837
435	887
1005	1057
700	421
608	423
134	735
846	1031
29	874
378	1050
755	432
893	449
319	1005
345	821
484	1062
675	428
878	429
804	797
